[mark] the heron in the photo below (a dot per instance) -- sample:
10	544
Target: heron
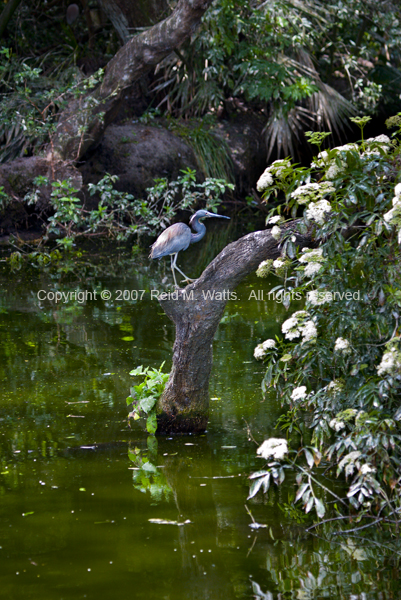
178	237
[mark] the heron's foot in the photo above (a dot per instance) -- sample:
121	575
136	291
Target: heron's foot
188	280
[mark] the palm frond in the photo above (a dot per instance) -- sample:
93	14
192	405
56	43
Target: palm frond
282	130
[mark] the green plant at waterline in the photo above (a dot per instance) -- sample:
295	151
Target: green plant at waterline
145	474
145	395
120	214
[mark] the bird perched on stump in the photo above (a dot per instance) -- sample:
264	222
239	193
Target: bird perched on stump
178	237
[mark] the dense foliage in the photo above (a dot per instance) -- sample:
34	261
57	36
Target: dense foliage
299	64
119	214
289	61
337	367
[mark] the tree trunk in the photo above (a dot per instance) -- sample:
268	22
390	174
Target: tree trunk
196	312
7	13
83	122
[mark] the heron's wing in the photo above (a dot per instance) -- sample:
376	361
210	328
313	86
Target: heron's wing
173	239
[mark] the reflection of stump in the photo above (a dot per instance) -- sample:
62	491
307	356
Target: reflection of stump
196	312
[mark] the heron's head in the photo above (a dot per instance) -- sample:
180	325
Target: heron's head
202	214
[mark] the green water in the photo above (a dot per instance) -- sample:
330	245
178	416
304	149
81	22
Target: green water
74	522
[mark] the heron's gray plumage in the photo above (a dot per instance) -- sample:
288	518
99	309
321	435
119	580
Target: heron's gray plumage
178	237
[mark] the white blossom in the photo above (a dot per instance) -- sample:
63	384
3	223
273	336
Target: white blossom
274	447
346	148
268	344
278	263
309	331
277	168
341	345
305	193
309	255
264	181
390	363
275	219
335	386
316	211
264	268
296	326
317	297
281	265
276	232
337	425
299	393
389	216
397	190
290	328
380	139
333	171
259	352
311	269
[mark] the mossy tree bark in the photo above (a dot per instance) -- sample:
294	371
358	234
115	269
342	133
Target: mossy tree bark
196	312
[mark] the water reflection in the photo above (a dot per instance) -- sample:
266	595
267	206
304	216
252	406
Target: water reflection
80	517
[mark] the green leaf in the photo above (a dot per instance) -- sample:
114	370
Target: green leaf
320	509
151	423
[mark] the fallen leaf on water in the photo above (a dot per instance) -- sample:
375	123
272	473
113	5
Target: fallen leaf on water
167	522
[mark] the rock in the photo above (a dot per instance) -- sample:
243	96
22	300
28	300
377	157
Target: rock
138	154
243	134
16	177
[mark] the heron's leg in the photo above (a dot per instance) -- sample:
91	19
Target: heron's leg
173	267
174	264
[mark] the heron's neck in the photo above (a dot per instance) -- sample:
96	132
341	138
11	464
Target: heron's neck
200	231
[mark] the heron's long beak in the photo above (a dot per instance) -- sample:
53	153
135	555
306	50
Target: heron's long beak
209	214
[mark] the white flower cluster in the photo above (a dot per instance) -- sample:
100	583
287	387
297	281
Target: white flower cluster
344	416
299	393
281	265
312	192
335	387
264	181
275	219
273	448
262	349
276	232
336	424
332	160
393	216
317	211
264	268
317	297
259	353
305	193
313	260
390	363
275	170
342	345
299	325
381	141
